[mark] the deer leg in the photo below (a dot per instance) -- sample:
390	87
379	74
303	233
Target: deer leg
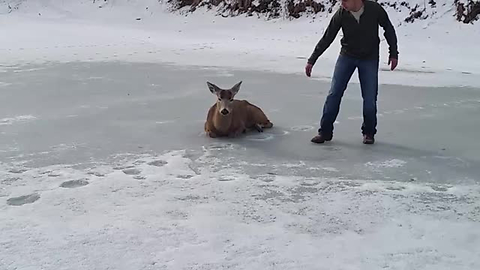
259	117
258	127
211	134
268	124
237	132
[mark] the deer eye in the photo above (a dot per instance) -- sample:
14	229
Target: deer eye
219	99
231	99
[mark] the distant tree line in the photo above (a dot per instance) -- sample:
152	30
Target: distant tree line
466	11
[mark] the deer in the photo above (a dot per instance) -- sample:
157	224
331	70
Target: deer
230	117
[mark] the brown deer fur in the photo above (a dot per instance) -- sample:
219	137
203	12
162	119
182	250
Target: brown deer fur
231	117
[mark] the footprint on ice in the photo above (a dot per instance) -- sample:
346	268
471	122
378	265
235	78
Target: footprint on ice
97	174
396	188
158	163
10	180
123	167
438	188
74	183
18	170
131	171
184	176
139	162
269	177
226	178
25	199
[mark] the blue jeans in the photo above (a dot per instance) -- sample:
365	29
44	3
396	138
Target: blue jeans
368	76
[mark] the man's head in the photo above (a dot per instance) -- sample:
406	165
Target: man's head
352	5
224	97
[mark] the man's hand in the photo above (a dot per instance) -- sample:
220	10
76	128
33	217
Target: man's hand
393	62
308	69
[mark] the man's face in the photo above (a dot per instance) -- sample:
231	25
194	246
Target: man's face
349	4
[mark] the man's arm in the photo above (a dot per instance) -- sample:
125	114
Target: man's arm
389	33
328	37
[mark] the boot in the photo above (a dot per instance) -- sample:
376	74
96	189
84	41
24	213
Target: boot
368	139
320	138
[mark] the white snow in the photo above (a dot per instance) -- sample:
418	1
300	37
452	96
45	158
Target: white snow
172	211
435	52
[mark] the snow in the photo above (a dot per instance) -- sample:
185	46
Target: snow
104	165
172	212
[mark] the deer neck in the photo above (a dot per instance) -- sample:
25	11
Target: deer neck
222	122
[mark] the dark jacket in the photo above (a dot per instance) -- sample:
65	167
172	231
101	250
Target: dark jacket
360	40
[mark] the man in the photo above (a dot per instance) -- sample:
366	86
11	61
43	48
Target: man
359	20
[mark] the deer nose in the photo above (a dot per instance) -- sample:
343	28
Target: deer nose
224	111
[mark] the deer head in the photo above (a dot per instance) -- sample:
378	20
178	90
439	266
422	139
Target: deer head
224	97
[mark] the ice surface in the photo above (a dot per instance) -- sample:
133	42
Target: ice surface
115	172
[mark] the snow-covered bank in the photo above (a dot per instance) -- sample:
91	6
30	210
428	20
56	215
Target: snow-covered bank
433	52
173	211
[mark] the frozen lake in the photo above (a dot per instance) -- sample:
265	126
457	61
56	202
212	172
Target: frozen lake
106	164
82	113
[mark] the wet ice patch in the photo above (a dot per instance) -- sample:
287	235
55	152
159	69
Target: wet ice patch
20	119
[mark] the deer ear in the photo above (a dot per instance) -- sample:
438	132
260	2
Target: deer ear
236	88
213	88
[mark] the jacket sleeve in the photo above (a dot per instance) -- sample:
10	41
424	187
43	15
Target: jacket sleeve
327	38
389	33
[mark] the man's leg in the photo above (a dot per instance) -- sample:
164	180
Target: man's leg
344	68
368	76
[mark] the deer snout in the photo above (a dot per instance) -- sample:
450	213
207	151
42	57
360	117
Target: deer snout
224	112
